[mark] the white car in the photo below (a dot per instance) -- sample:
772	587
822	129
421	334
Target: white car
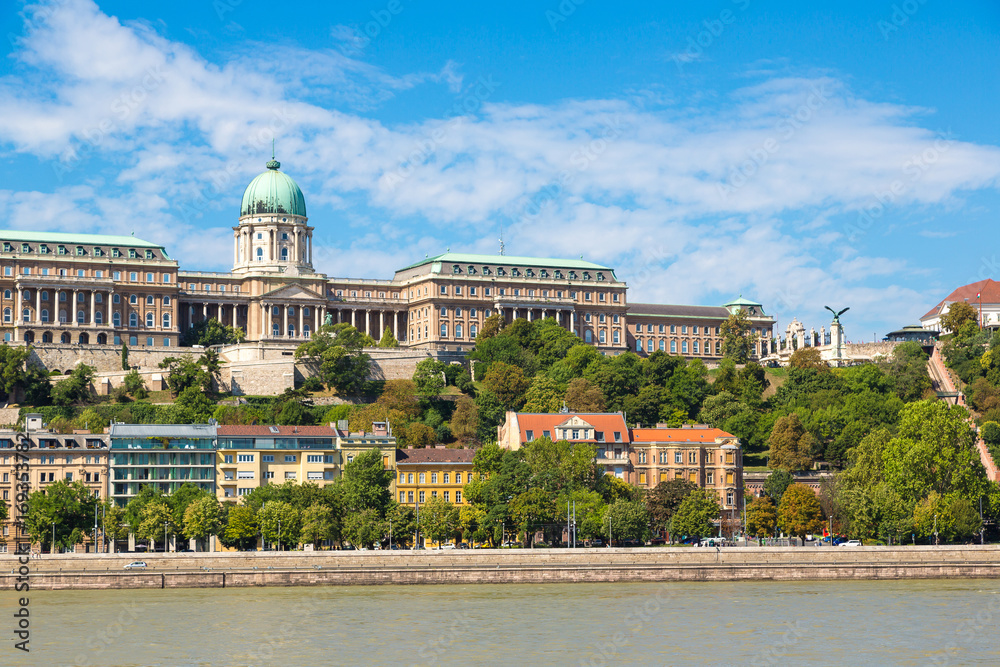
850	543
447	546
136	565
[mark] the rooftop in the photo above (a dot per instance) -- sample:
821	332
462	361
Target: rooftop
988	289
507	260
698	434
277	431
435	455
163	431
75	239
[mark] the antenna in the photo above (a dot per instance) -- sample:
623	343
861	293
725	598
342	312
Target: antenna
501	240
272	148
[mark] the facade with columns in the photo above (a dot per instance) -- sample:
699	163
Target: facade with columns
123	289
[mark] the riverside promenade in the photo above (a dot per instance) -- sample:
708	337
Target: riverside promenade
494	566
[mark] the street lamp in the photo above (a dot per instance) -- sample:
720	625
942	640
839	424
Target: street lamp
52	546
164	537
279	534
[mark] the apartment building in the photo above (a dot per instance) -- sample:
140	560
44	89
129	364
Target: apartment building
161	456
432	472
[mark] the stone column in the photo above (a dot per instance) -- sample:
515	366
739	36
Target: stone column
266	316
572	321
204	310
368	322
221	314
321	317
309	238
72	310
235	306
354	318
17	314
38	305
284	320
381	323
297	258
395	324
93	314
301	320
236	247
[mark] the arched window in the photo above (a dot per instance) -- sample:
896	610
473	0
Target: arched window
150	300
150	321
45	295
133	320
116	318
166	320
26	315
588	336
98	298
65	339
649	345
166	301
602	336
305	312
305	330
46	337
6	314
638	345
696	347
673	347
80	317
133	299
62	316
684	347
99	317
444	331
473	330
718	347
616	336
291	311
62	297
6	294
284	254
458	331
45	314
663	345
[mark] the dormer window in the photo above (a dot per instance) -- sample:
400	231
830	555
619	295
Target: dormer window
515	272
486	271
543	273
586	275
572	275
98	252
80	251
149	254
115	252
501	271
558	274
472	270
600	276
530	273
43	249
7	247
132	254
456	269
25	248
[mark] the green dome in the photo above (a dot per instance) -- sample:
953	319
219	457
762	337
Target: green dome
273	192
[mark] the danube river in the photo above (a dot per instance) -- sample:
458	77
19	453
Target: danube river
754	623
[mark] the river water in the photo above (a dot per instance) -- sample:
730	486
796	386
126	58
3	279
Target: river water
751	623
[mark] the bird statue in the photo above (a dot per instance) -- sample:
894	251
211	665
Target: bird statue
836	315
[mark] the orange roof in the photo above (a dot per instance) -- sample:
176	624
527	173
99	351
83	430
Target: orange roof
694	435
990	290
537	423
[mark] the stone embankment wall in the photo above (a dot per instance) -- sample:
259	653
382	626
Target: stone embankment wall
869	350
78	571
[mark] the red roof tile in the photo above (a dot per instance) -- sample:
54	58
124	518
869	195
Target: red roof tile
606	422
698	435
990	290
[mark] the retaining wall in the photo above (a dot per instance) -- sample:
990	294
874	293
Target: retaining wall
94	571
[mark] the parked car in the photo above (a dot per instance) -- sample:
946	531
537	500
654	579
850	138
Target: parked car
656	541
136	565
448	546
851	543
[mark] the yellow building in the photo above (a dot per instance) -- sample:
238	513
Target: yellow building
252	456
422	474
51	457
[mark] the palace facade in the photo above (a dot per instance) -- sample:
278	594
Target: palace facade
109	290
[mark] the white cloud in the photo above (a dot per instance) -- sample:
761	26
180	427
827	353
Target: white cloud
746	191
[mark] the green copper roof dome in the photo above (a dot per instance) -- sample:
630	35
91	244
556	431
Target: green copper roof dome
273	192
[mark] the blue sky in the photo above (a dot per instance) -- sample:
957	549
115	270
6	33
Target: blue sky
843	155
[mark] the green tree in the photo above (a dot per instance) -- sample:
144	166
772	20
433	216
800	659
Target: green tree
762	518
366	483
203	518
364	528
241	528
125	365
584	396
508	384
907	370
317	524
134	385
280	523
402	523
808	358
70	506
157	522
544	395
439	520
959	313
738	342
465	419
695	514
629	520
663	500
532	510
186	372
388	339
429	377
776	483
75	388
212	332
799	511
195	400
790	445
344	367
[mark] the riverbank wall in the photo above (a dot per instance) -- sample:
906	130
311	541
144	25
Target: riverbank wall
340	568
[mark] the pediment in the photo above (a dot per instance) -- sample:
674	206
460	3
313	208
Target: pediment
574	422
292	292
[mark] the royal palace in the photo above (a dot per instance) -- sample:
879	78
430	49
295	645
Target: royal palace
87	289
